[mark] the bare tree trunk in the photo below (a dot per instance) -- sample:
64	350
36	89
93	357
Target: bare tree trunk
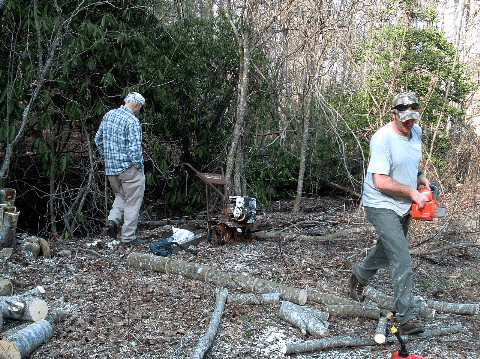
303	151
52	203
236	145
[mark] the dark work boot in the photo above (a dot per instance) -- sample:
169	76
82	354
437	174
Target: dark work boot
355	289
111	230
412	326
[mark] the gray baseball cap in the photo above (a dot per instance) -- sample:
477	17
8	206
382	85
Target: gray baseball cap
406	105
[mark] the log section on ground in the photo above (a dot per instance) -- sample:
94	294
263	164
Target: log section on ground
206	339
26	340
234	280
27	308
388	302
221	278
253	298
427	308
307	319
350	341
6	287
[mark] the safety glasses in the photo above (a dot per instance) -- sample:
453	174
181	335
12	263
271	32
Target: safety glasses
412	107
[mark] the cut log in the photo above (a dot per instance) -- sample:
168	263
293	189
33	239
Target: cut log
221	278
32	248
207	338
38	291
6	253
325	298
381	330
23	308
10	218
26	340
388	302
307	319
44	248
252	298
351	341
455	308
349	311
6	287
56	316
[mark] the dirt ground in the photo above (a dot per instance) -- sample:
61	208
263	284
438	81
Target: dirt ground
117	311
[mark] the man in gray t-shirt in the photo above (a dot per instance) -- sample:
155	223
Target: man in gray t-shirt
390	187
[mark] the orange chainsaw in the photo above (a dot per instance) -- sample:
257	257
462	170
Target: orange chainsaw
432	208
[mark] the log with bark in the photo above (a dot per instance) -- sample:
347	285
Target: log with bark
253	298
221	278
387	302
349	311
207	338
28	306
381	330
307	319
21	341
26	340
454	308
354	341
6	287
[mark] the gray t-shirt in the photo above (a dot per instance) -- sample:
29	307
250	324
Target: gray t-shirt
398	157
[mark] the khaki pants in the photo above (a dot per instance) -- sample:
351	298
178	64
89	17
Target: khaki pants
391	252
128	188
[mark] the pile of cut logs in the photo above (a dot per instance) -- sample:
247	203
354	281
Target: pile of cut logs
31	314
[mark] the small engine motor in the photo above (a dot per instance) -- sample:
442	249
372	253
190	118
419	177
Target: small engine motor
242	209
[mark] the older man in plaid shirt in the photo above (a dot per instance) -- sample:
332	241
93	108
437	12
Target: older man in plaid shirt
119	140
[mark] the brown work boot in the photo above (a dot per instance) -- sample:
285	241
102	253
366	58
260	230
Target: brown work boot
355	289
412	326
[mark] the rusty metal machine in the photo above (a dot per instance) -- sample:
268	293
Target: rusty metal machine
228	217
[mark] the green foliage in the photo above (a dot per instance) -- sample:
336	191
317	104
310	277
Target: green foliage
417	60
273	175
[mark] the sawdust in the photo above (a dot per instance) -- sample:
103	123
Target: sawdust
116	311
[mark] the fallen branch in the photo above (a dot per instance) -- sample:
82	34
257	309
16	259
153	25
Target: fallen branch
350	341
252	298
221	278
207	338
307	319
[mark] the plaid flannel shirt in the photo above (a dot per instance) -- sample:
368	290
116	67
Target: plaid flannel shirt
119	140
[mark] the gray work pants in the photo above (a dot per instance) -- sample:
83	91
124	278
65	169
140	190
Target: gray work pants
392	252
128	188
